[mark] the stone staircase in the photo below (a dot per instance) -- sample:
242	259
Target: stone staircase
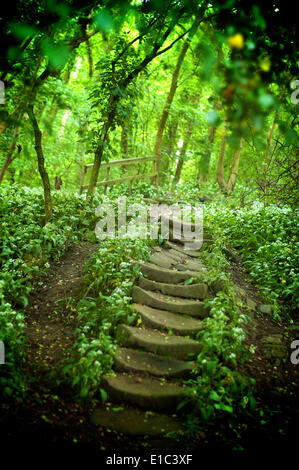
152	360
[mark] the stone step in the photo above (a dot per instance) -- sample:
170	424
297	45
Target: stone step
129	360
191	291
194	308
136	422
176	237
188	245
160	259
159	274
163	320
157	342
177	225
191	265
175	255
186	251
148	393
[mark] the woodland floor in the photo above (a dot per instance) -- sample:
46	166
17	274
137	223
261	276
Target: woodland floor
52	420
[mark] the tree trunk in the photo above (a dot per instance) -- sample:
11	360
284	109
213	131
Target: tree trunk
234	169
165	113
9	157
182	155
41	165
228	187
172	136
220	167
206	165
124	140
183	150
169	144
269	139
98	155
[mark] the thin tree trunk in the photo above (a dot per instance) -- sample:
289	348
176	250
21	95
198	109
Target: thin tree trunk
269	140
171	137
170	141
9	157
228	186
98	156
3	127
125	144
182	155
211	137
183	150
220	167
234	169
89	55
169	99
41	165
124	140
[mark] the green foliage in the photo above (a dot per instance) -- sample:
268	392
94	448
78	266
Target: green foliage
106	303
26	247
266	238
12	335
241	62
26	244
218	386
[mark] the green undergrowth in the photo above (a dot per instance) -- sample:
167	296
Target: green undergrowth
267	240
109	279
27	247
219	388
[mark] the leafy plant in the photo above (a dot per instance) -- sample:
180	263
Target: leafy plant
26	246
266	239
218	386
109	279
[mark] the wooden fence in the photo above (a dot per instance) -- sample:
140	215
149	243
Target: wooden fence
126	162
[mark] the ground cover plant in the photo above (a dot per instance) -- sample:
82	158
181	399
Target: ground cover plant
166	103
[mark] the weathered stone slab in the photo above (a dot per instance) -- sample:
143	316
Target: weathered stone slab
130	360
174	254
157	342
161	260
163	320
151	394
187	252
191	291
159	274
191	265
194	308
175	224
136	422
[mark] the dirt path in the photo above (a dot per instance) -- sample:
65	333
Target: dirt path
50	317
